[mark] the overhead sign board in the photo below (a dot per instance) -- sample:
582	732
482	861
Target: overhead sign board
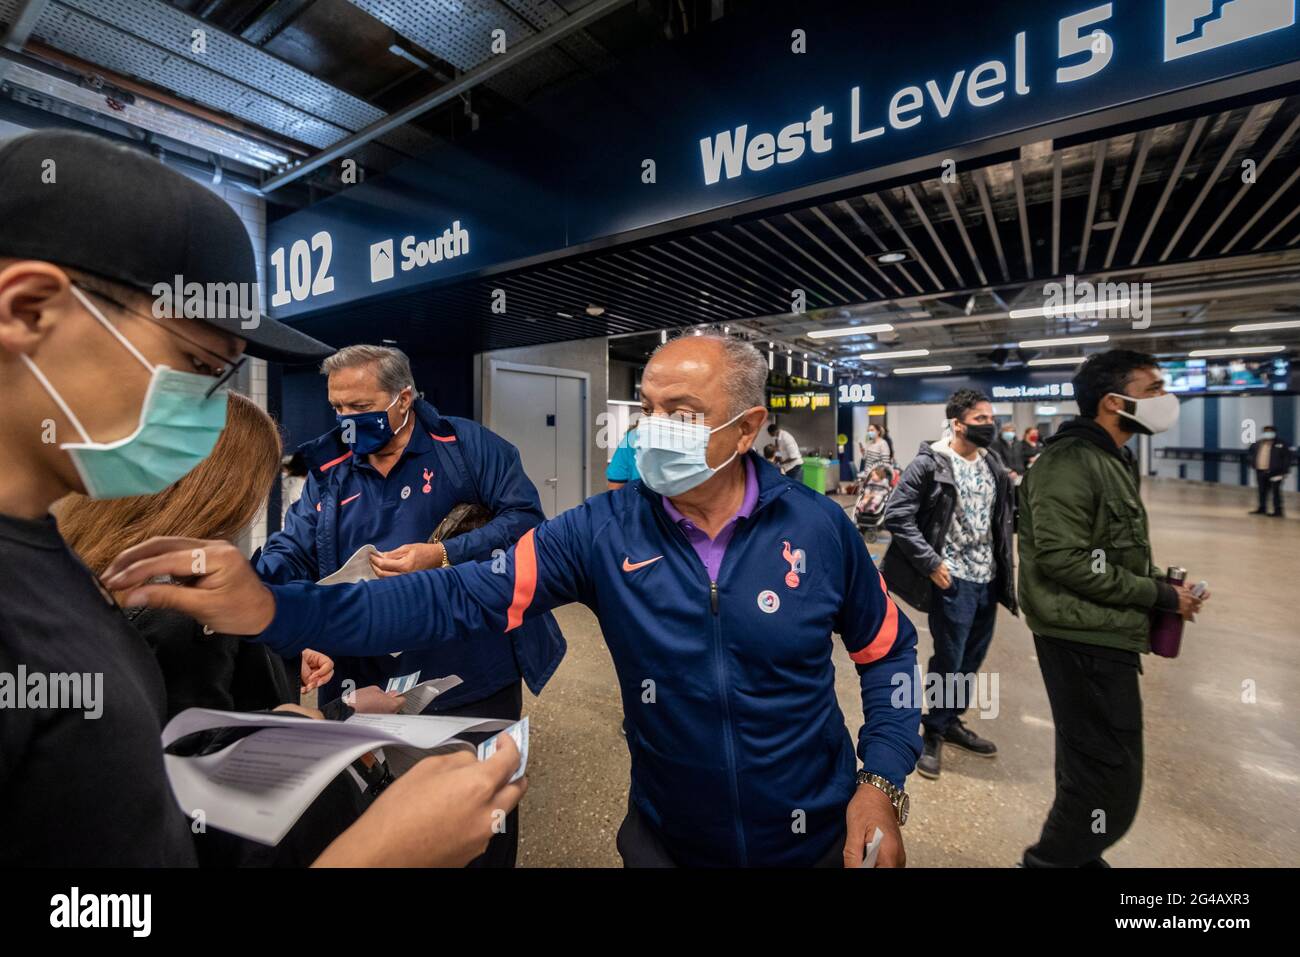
774	102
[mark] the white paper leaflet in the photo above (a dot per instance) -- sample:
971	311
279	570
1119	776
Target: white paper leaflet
258	786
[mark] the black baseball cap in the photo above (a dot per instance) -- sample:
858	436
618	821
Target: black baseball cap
114	211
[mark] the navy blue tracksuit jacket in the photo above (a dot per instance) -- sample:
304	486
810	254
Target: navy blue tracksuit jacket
739	750
346	504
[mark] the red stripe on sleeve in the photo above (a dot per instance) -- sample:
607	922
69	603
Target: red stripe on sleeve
525	580
333	462
885	635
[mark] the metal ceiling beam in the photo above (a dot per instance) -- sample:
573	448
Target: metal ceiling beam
961	230
1025	241
797	269
982	187
907	240
20	31
866	229
755	291
1281	191
834	255
1135	174
715	254
1190	144
772	266
856	293
1245	187
1056	212
521	51
1213	179
703	279
871	263
929	229
1099	167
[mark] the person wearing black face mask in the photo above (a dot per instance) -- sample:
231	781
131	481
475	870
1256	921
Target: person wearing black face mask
951	521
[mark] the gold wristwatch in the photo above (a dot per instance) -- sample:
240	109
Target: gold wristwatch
897	796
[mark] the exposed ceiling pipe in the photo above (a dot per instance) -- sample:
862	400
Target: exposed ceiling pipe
20	31
493	66
82	67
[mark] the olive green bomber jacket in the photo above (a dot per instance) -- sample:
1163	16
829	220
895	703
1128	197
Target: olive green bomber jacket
1086	573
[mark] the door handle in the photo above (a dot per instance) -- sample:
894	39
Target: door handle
553	481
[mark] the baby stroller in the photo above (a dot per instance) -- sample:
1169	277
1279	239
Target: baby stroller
869	509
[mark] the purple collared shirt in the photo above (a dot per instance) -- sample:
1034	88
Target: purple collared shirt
711	550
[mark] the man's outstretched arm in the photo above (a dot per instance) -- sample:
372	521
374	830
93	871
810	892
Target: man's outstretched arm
545	569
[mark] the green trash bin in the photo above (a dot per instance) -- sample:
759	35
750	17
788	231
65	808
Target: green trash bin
814	474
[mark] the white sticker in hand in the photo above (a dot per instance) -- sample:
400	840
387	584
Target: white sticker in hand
873	849
518	731
403	683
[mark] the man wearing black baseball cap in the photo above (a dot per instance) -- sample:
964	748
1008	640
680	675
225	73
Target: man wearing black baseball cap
108	393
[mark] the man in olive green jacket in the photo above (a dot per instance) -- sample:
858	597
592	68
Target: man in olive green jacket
1088	588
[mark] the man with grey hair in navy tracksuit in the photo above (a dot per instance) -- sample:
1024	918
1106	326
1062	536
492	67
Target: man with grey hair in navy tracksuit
718	585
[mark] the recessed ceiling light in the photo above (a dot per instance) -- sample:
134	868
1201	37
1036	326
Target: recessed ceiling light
849	331
1267	326
896	354
595	310
1067	341
920	370
887	259
564	315
1235	351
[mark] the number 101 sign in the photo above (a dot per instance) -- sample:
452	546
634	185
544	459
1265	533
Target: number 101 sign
851	392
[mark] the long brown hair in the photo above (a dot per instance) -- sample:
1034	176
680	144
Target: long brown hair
218	499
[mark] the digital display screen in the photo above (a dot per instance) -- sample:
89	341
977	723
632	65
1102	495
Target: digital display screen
1186	376
1226	375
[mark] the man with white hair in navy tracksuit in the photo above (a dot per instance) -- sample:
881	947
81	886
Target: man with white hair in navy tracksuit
718	588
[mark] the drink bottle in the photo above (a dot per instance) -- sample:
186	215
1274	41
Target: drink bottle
1167	626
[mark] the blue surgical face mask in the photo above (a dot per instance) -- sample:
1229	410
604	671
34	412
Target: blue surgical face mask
672	455
1008	436
179	426
369	431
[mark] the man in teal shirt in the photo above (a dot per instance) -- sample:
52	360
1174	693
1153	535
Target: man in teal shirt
622	467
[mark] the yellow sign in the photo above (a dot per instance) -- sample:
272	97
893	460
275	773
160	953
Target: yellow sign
800	400
821	400
776	402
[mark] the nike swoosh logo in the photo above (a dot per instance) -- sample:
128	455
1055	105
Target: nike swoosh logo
629	566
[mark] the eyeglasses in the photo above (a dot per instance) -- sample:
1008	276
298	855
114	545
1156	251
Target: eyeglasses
223	373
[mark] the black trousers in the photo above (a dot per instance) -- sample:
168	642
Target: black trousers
1097	707
1264	485
640	844
508	703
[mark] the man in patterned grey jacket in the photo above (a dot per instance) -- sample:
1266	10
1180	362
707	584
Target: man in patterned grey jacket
951	556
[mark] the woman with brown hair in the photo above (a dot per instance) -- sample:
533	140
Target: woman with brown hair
218	499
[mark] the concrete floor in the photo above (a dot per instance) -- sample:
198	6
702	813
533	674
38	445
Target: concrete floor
1222	776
